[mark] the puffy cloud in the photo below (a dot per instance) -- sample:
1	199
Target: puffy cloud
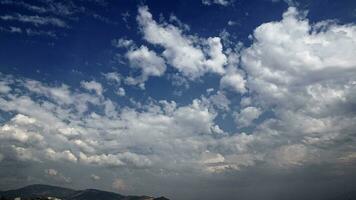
56	175
246	116
93	86
95	177
234	79
218	100
4	88
60	94
149	63
121	91
51	172
302	73
299	57
291	155
120	159
17	129
23	154
63	155
183	51
113	76
286	73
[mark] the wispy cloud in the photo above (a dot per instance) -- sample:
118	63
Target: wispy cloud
35	20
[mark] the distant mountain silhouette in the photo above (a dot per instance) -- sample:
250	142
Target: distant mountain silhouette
43	191
33	191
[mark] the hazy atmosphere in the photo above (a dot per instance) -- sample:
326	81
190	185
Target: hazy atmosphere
198	99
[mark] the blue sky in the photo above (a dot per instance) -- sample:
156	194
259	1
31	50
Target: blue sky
213	97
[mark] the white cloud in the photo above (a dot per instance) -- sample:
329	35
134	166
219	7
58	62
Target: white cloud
17	130
291	155
51	172
218	2
95	177
57	8
11	29
149	63
289	2
300	62
113	76
246	116
123	43
60	94
232	23
61	155
23	154
4	88
121	92
34	32
35	20
218	100
301	75
56	175
183	51
92	86
234	81
234	78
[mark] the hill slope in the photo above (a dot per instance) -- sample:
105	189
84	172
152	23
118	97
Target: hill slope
42	191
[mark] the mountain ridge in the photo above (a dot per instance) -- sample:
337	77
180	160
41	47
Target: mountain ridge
44	191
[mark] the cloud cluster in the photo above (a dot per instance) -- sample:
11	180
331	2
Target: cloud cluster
47	17
53	124
297	105
190	55
303	73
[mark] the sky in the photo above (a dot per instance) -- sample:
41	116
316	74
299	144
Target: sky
200	99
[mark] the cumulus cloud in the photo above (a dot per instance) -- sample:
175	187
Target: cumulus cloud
234	81
149	63
18	130
51	172
95	177
234	78
113	76
144	137
246	116
65	155
54	174
121	91
4	88
190	55
302	72
93	86
23	154
300	75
